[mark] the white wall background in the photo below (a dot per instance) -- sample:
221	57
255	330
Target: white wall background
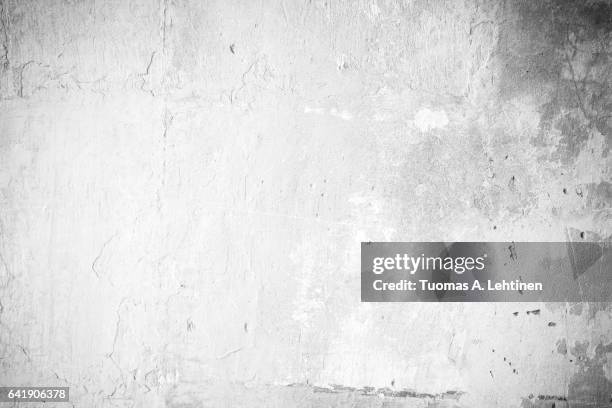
184	186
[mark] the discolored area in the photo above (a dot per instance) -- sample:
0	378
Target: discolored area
590	386
558	52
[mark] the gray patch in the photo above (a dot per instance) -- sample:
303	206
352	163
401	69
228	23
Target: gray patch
589	387
583	255
562	347
598	195
576	309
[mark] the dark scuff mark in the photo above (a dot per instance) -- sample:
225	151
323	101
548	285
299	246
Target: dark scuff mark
579	192
551	398
552	324
511	184
545	401
512	250
535	312
387	392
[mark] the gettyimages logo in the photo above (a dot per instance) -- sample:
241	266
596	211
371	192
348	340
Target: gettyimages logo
413	264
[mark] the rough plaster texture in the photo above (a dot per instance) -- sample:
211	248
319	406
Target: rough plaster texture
184	186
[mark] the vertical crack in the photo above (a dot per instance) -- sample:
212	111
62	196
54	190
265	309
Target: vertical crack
97	258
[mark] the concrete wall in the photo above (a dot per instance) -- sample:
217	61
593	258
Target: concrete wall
184	186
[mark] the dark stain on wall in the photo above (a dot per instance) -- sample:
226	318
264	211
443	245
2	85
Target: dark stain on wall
545	401
562	347
589	387
558	53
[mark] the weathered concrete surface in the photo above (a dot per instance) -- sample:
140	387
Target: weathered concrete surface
184	186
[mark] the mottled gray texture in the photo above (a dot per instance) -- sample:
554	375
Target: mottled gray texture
184	186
